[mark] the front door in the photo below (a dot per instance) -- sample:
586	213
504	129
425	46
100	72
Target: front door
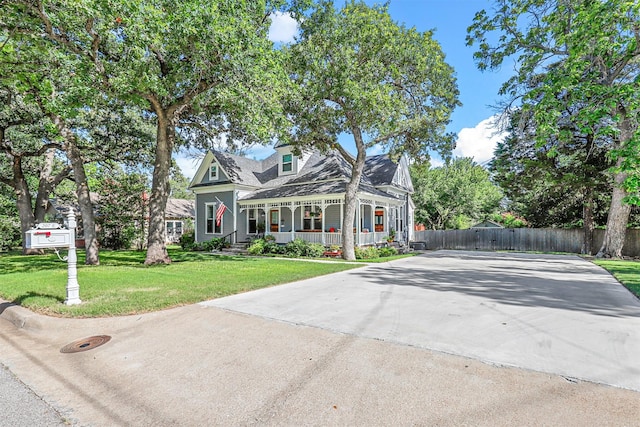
274	221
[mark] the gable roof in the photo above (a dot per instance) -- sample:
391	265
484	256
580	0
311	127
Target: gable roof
180	208
239	170
327	169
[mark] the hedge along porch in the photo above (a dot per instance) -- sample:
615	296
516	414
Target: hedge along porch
300	197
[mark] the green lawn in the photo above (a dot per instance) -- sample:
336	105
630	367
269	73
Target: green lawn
627	273
123	285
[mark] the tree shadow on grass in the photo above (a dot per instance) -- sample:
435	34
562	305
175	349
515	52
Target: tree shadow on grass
33	295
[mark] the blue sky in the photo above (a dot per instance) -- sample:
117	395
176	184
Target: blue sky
478	90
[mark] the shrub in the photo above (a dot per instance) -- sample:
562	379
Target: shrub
257	247
271	247
387	251
315	250
188	240
366	253
9	233
296	248
215	244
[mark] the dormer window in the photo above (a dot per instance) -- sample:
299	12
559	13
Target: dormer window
287	163
213	172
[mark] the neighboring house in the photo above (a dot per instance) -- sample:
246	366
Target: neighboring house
291	197
179	214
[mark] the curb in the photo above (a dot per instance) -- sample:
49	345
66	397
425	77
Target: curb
20	317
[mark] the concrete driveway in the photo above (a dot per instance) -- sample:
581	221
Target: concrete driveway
303	354
557	314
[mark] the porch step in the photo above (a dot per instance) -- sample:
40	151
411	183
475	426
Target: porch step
237	248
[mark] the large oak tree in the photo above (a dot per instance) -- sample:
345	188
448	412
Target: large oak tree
582	53
178	59
358	72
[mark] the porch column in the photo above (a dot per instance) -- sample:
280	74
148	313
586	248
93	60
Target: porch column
372	220
387	219
234	236
322	207
358	215
292	208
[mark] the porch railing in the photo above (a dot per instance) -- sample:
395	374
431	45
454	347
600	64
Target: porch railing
328	238
231	237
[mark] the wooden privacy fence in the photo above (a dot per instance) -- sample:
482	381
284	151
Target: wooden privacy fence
521	239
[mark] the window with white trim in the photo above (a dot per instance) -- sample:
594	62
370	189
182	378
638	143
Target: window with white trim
287	162
210	219
213	172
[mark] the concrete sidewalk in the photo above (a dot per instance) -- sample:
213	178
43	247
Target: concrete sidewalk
203	365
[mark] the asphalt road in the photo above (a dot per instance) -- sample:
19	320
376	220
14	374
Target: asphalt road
20	407
450	338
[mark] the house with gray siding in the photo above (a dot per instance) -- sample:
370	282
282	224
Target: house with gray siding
293	196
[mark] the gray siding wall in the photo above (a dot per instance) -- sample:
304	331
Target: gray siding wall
227	220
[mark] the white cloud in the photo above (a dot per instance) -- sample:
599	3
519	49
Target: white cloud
259	152
283	28
188	162
480	141
376	150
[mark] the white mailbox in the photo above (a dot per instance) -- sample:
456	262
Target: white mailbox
48	235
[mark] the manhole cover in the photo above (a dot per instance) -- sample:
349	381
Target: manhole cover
85	344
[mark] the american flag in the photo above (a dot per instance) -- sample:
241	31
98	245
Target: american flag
219	213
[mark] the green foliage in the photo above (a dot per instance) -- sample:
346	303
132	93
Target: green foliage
10	235
215	244
179	183
188	240
554	184
257	247
123	208
576	62
454	195
358	72
295	249
509	220
266	246
202	69
369	252
387	251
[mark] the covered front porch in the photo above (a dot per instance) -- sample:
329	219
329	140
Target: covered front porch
319	220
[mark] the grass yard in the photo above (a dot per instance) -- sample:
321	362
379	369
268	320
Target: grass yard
123	285
627	273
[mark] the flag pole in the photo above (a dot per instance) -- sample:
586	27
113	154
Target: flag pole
222	203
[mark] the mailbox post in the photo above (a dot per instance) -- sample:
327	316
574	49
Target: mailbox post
73	287
51	235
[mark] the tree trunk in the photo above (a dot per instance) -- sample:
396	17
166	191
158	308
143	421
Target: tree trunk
45	186
587	216
84	201
616	221
156	249
350	200
23	203
619	210
82	191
